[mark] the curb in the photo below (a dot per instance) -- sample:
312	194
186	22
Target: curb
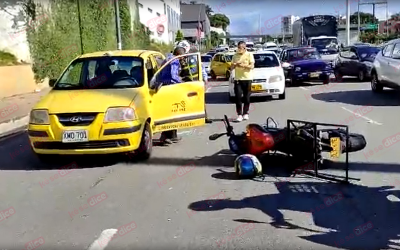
13	127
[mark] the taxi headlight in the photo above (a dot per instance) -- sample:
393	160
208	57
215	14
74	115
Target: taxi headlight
120	115
297	69
39	117
275	79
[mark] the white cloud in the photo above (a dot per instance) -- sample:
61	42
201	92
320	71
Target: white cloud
245	24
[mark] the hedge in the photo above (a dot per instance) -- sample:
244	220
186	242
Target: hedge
54	43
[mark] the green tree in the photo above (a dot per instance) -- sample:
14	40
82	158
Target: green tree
209	10
365	18
395	16
215	38
219	21
179	36
54	43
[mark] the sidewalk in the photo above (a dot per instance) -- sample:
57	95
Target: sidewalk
14	111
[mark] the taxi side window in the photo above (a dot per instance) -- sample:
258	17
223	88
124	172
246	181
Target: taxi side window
217	58
92	69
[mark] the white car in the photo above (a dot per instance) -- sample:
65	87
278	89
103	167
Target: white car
206	60
269	78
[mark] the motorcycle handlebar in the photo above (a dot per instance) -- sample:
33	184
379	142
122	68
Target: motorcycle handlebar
214	137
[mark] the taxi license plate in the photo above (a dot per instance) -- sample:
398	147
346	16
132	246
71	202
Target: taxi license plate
335	144
316	74
75	136
256	87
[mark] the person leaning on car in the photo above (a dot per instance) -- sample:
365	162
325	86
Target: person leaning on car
243	63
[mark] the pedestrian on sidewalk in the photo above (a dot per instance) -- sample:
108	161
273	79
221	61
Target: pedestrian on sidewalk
243	64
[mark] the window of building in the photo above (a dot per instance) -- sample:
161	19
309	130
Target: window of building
150	10
140	5
158	14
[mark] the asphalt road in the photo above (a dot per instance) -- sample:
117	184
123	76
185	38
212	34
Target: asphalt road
111	203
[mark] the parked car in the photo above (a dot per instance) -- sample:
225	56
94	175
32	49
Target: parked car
269	79
221	64
305	64
206	60
385	71
109	102
355	61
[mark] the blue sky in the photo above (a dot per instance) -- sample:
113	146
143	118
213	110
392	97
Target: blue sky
245	14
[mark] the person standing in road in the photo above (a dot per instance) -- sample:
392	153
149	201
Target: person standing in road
243	64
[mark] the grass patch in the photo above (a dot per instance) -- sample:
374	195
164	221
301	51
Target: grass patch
7	59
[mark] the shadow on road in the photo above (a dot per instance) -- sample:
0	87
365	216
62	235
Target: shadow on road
16	154
355	216
361	97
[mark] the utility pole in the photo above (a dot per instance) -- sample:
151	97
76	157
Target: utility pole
348	22
80	25
118	25
358	21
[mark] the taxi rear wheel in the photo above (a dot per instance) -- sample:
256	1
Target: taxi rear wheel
146	144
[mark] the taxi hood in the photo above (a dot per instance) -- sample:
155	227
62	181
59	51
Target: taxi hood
86	100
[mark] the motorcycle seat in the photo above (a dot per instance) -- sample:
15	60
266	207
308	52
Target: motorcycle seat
259	128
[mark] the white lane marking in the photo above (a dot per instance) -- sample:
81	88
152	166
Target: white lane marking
364	117
103	240
304	88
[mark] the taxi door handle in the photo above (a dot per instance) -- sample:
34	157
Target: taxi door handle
190	94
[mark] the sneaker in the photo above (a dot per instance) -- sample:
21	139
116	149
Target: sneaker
239	118
246	117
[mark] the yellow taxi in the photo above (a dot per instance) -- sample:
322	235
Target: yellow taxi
114	102
221	64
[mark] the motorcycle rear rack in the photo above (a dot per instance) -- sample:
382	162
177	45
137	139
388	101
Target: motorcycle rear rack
317	158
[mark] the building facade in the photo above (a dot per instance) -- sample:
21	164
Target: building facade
194	22
392	26
287	22
173	8
162	17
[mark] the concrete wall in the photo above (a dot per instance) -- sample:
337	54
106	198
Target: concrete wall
16	80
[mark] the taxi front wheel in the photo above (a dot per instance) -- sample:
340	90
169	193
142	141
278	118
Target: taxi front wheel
146	144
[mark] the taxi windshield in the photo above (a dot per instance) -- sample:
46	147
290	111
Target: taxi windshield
103	73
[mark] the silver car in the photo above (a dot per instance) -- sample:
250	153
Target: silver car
206	60
385	72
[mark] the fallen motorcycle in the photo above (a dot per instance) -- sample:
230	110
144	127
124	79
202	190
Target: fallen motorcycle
298	142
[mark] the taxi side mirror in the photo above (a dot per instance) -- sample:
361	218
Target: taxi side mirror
52	82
